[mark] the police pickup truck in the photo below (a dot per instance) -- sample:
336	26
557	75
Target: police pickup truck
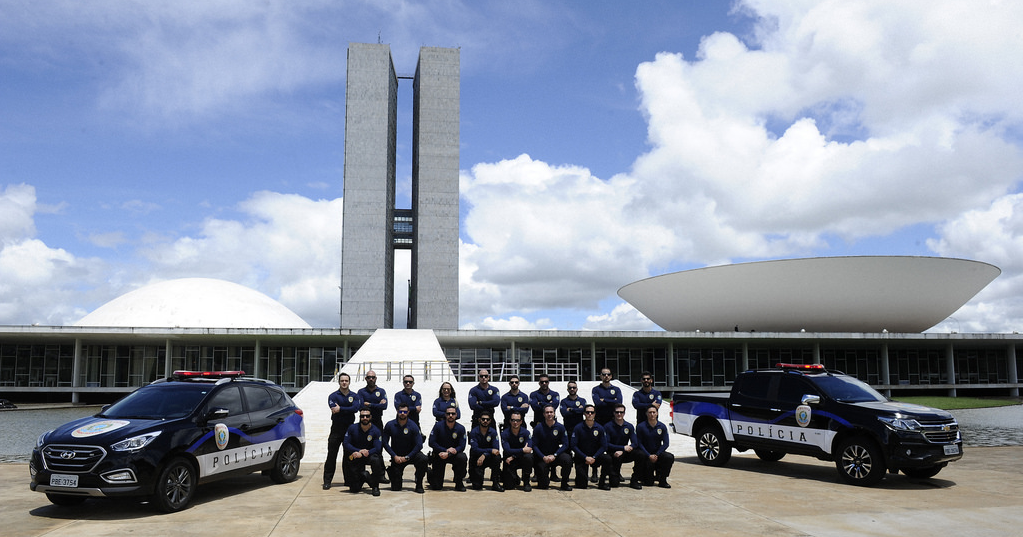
807	410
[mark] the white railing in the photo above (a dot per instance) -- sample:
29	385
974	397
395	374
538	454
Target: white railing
429	370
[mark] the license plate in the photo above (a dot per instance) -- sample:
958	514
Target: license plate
63	480
951	449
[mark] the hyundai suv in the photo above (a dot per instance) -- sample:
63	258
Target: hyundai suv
166	438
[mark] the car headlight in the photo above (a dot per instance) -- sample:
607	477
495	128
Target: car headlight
135	443
42	439
901	424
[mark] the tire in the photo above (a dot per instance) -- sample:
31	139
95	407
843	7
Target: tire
769	455
176	486
711	447
286	463
923	473
859	462
64	500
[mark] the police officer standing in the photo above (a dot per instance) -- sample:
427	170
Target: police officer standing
589	444
483	396
344	405
362	448
485	452
572	407
404	443
645	397
551	449
542	397
410	397
605	397
513	400
447	440
374	398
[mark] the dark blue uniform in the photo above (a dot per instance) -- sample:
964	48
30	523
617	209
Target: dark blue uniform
572	412
483	399
590	442
653	440
377	399
413	400
482	444
440	405
605	400
405	441
443	437
357	439
554	441
619	436
538	400
513	446
517	401
339	422
642	400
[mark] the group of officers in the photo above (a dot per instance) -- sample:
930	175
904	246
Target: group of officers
594	438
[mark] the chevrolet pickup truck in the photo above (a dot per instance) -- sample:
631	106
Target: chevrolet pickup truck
807	410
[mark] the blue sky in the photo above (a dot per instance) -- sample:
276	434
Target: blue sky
143	141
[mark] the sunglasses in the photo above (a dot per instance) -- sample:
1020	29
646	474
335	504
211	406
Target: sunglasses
589	412
403	412
481	419
619	412
408	381
371	378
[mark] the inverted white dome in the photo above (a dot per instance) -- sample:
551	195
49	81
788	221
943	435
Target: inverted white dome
194	303
823	294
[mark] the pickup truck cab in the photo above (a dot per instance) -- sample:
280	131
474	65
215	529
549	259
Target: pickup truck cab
807	410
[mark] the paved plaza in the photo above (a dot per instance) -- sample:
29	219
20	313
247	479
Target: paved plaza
980	495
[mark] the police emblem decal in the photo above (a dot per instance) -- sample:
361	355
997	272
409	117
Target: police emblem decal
803	415
221	434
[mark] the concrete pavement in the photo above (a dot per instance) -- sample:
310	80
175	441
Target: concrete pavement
980	495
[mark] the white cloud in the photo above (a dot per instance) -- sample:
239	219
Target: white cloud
17	208
622	317
288	247
849	120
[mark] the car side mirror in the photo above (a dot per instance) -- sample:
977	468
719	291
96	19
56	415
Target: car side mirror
811	399
216	414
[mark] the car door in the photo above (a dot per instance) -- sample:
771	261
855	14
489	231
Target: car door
224	438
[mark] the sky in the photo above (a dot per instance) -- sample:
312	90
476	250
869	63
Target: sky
600	144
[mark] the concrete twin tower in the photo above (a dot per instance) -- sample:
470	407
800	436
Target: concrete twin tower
372	227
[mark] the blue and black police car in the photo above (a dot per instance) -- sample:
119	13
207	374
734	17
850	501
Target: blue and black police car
166	438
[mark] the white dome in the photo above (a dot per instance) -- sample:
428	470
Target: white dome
194	303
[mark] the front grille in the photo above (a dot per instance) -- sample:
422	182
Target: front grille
74	459
940	431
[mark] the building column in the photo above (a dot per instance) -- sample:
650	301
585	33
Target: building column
950	364
886	376
745	356
1010	355
593	360
671	364
168	365
76	371
259	373
817	352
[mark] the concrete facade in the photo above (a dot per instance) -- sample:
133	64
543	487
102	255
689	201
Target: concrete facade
367	281
367	257
435	134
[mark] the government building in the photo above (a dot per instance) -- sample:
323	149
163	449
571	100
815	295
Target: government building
867	316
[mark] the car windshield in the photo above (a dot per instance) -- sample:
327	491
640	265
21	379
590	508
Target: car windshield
159	401
847	389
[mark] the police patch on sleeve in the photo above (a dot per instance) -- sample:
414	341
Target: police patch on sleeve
803	415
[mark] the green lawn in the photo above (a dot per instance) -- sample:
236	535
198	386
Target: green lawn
954	403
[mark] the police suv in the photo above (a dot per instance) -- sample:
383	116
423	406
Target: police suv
166	438
806	410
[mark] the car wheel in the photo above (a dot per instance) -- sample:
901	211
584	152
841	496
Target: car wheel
64	500
769	455
711	447
286	464
860	462
923	473
175	486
